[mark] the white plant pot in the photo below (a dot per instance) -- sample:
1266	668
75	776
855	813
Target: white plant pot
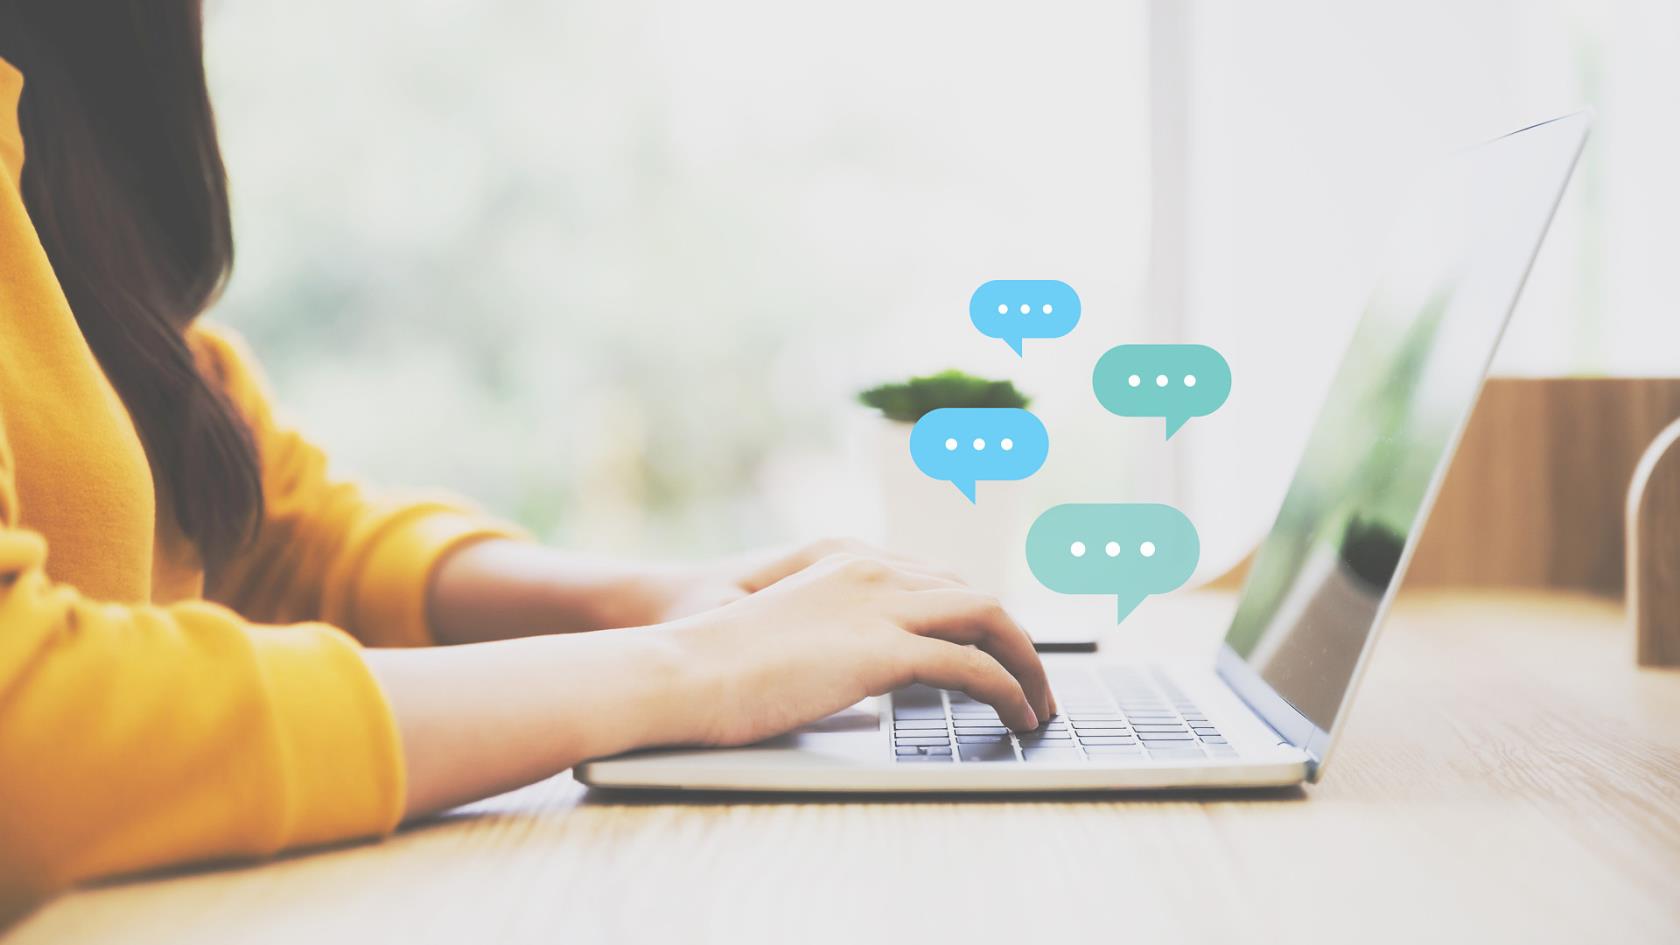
932	520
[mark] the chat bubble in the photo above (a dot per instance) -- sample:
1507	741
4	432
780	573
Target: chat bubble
1125	549
1175	382
963	445
1015	309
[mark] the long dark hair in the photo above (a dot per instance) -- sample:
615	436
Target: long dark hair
124	182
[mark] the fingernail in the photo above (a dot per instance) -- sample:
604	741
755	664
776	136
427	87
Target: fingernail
1033	716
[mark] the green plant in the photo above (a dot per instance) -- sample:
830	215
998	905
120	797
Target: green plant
907	402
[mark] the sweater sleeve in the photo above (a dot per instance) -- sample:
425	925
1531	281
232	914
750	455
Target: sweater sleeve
133	737
326	550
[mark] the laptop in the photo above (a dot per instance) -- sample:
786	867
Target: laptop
1265	711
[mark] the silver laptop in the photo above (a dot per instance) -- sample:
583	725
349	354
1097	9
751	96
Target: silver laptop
1268	709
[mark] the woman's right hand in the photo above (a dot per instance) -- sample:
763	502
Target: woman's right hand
481	718
846	628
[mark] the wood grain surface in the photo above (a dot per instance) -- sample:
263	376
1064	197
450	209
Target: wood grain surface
1536	495
1508	775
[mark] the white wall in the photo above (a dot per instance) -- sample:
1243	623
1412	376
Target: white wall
1308	117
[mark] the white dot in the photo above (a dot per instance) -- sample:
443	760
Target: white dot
1189	380
1134	380
1113	549
1025	309
979	444
1003	310
1077	549
1160	380
1047	310
1147	549
1007	444
951	443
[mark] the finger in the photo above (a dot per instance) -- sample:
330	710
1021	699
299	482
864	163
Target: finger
959	615
945	665
963	616
906	562
873	572
917	566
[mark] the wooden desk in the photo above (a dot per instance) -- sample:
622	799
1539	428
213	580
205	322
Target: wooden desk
1508	775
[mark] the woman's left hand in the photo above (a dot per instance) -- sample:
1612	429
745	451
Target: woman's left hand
696	589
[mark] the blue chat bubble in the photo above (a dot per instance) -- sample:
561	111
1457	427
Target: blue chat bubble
1174	382
963	445
1129	550
1014	309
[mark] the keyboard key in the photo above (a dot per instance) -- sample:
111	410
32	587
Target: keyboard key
996	751
1213	740
907	724
1167	737
921	740
919	712
915	758
1149	727
1114	751
981	739
1108	740
973	728
1041	736
1106	725
1050	754
1095	717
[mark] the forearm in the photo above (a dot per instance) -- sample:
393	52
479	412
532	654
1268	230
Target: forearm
496	590
481	719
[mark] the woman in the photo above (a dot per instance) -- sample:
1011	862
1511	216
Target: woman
211	649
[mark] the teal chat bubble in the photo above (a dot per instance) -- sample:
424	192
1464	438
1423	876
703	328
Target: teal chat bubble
1175	382
1130	550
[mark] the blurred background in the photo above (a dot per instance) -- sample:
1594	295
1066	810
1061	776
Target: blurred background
617	271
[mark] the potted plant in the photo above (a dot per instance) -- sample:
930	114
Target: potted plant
930	519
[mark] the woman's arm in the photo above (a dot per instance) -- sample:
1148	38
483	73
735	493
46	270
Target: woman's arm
499	589
480	719
496	590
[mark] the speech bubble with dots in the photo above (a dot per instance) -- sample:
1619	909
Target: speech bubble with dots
1129	550
1174	382
1012	310
963	445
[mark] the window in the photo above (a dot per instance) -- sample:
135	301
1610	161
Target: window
618	269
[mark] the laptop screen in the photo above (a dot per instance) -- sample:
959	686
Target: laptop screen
1456	262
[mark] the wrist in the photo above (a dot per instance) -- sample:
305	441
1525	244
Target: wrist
674	693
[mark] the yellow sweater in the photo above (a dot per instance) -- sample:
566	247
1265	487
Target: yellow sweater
141	724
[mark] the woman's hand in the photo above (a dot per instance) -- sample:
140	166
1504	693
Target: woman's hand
819	638
479	719
495	590
681	592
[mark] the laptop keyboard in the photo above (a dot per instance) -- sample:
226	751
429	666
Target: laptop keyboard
1111	714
